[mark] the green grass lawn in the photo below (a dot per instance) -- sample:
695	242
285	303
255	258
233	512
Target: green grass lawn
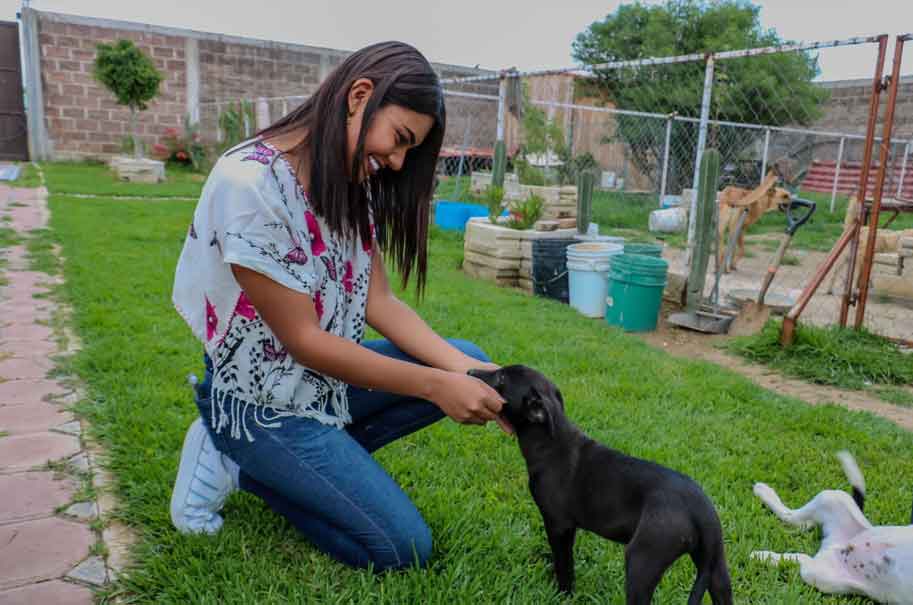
98	179
469	482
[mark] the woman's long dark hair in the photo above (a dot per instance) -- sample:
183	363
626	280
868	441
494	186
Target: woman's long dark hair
400	200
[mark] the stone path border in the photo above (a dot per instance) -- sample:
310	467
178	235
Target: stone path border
57	543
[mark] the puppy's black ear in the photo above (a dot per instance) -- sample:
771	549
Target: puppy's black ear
538	412
559	397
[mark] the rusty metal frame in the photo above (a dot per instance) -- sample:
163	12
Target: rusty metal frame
851	235
866	272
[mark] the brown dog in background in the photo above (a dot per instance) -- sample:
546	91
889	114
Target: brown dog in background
733	200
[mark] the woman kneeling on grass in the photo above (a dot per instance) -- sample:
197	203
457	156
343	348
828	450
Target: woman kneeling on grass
280	273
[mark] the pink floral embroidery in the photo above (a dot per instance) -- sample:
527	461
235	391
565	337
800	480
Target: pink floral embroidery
297	256
212	322
261	153
317	245
271	353
348	278
244	308
318	304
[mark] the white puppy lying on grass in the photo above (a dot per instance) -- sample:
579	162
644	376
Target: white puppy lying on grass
855	557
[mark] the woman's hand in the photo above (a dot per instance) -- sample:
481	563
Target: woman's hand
468	400
465	399
471	363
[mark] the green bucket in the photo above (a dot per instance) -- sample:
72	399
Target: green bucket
645	249
636	284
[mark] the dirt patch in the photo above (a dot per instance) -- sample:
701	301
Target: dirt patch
884	316
693	345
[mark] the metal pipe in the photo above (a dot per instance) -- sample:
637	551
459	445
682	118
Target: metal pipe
502	94
764	158
869	257
662	186
837	174
732	54
903	168
789	322
864	176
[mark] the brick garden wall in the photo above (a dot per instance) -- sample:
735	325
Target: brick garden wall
84	121
82	117
200	69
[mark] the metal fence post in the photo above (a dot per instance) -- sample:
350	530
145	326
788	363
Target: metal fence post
662	185
764	157
459	180
837	174
500	160
903	167
701	142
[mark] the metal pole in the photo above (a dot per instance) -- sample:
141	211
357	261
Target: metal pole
837	174
864	176
731	54
462	155
500	158
662	185
701	142
502	95
903	168
866	271
766	148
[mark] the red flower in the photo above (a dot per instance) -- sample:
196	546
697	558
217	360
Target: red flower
181	155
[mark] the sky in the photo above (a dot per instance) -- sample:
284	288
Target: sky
527	34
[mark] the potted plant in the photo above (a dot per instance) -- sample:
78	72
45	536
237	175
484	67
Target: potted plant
133	79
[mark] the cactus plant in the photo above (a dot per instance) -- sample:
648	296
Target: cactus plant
585	179
703	227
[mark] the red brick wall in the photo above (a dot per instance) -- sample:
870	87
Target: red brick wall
83	117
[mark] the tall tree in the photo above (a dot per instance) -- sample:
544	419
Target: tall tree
772	90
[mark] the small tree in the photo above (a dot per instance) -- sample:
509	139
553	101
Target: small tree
131	76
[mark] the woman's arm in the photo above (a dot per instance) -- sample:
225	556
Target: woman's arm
292	318
402	326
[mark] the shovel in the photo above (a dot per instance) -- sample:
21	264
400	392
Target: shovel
754	314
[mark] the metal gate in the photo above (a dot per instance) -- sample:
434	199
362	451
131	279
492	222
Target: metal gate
14	143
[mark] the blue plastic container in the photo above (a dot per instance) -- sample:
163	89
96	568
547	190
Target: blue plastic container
453	215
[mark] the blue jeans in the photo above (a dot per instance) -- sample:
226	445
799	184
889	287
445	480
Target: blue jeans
325	482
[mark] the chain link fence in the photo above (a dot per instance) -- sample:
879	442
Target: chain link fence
642	125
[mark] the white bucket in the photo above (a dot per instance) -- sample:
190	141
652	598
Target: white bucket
588	275
670	220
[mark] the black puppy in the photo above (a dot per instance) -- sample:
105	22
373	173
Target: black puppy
578	483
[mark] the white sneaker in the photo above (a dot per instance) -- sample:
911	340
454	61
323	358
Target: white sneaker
205	479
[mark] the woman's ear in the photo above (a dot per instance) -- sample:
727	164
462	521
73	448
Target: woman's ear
359	93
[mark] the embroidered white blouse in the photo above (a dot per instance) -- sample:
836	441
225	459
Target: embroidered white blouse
253	213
